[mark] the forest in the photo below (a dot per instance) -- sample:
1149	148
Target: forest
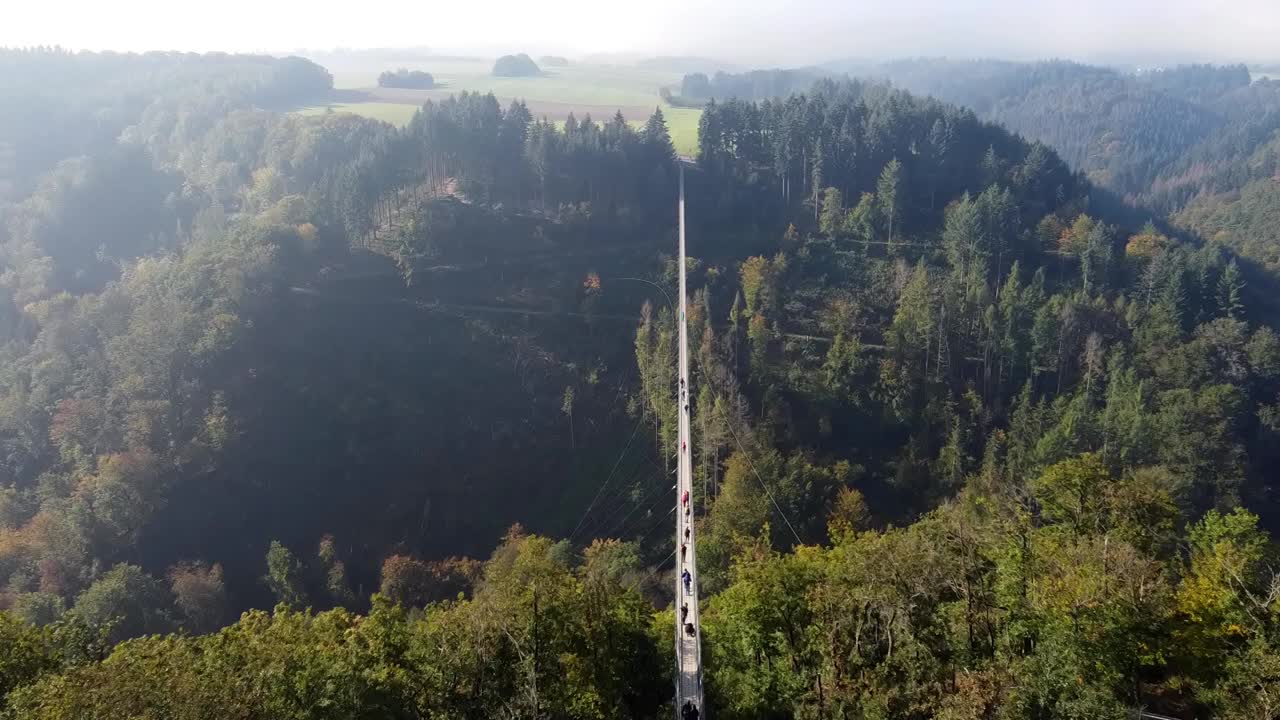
405	78
309	416
1159	138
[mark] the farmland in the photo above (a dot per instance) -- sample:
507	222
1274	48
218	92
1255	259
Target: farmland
596	90
397	114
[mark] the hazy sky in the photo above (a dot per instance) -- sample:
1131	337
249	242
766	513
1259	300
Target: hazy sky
748	31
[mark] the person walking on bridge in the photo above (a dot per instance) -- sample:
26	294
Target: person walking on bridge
688	579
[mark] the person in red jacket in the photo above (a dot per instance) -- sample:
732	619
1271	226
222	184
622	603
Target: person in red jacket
685	499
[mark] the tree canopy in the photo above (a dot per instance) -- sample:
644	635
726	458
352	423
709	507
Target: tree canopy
408	79
520	65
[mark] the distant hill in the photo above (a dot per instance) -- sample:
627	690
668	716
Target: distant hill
553	61
516	66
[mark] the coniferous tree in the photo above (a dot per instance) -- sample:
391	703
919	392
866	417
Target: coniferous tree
889	190
817	182
832	219
1230	290
657	137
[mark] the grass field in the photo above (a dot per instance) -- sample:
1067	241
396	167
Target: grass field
598	90
682	124
397	114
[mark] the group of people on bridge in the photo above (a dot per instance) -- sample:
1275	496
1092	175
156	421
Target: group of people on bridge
688	711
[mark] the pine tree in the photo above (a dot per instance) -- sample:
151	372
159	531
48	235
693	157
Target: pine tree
1010	327
1095	256
953	458
939	149
1172	305
961	235
860	222
816	181
714	438
657	137
1026	427
889	195
911	336
733	338
707	356
832	220
1230	291
840	369
760	335
991	166
1126	417
1000	226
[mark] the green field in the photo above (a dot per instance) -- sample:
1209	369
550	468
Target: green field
395	113
682	124
597	90
580	84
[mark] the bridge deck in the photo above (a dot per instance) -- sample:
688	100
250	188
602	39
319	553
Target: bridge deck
688	646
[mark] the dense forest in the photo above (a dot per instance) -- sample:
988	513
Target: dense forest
1159	137
972	438
1191	142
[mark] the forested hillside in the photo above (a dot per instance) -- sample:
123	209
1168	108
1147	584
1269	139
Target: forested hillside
971	439
1158	137
1162	139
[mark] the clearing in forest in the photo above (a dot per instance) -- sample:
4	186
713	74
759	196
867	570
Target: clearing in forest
598	90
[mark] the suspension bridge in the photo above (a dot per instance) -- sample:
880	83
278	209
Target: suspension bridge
688	630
